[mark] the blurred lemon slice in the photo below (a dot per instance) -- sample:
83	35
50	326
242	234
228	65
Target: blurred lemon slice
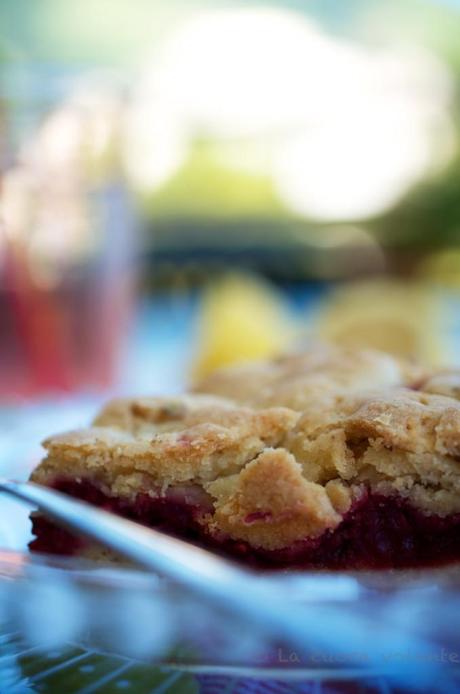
443	268
241	318
402	318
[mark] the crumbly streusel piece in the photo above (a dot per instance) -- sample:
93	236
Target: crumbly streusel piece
398	442
356	475
155	442
271	504
297	380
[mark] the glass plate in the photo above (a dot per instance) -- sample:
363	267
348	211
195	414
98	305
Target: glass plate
118	614
109	628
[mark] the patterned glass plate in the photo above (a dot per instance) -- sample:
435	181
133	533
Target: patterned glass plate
112	628
62	616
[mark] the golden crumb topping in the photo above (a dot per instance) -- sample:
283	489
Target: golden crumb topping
297	380
399	441
166	440
271	504
147	417
273	475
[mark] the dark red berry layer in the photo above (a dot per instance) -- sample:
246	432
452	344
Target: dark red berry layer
377	532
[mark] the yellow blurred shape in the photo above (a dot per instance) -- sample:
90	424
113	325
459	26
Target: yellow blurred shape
403	318
242	319
443	268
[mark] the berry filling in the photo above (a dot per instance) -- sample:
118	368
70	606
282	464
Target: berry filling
377	532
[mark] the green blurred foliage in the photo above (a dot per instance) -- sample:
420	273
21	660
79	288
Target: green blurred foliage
204	187
119	34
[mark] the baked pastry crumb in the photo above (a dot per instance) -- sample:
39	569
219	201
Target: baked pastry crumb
298	379
366	473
